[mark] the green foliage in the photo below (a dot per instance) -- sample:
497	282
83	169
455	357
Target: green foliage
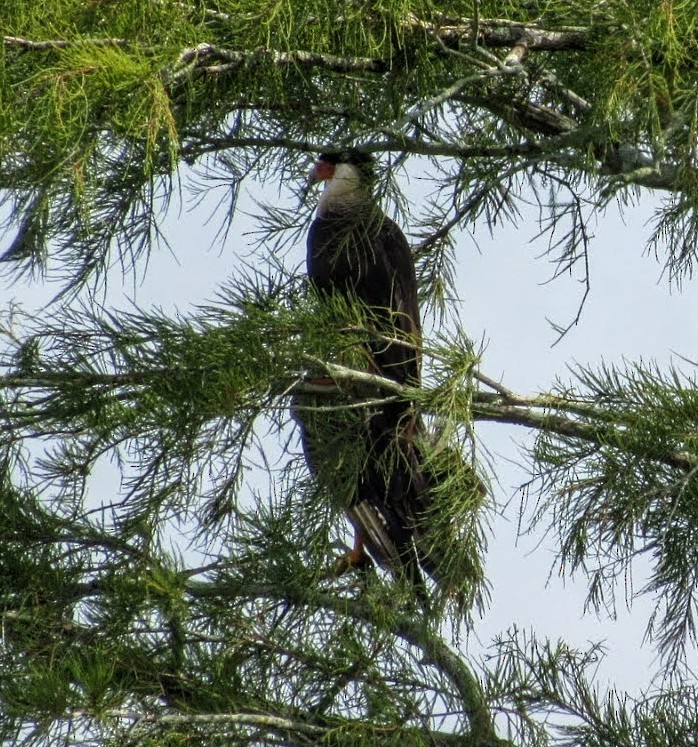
632	492
183	602
122	619
187	397
93	127
265	623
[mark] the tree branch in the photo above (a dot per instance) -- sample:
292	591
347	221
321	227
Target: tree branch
505	406
554	150
579	419
396	142
501	33
41	46
415	633
495	33
633	168
299	731
208	59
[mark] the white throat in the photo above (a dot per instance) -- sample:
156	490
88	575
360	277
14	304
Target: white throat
343	192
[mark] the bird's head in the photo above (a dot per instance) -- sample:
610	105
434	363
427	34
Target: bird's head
348	175
352	161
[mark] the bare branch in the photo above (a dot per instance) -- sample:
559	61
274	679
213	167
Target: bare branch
276	724
41	46
208	59
501	33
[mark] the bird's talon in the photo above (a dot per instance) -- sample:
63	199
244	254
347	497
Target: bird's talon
356	559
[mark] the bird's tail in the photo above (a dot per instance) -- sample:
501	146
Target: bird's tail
433	498
390	494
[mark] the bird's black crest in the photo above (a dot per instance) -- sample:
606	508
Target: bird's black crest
363	161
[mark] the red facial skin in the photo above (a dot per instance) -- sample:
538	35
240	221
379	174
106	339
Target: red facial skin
321	171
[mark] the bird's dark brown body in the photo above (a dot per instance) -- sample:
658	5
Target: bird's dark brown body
366	255
356	251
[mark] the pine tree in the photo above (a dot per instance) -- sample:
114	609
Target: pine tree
188	607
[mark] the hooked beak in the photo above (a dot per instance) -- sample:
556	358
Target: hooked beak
321	171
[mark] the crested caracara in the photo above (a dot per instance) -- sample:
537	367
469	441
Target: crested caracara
356	251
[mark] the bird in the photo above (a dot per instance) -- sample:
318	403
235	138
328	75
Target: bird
353	248
356	251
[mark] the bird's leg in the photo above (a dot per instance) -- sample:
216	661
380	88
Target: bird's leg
358	552
356	558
